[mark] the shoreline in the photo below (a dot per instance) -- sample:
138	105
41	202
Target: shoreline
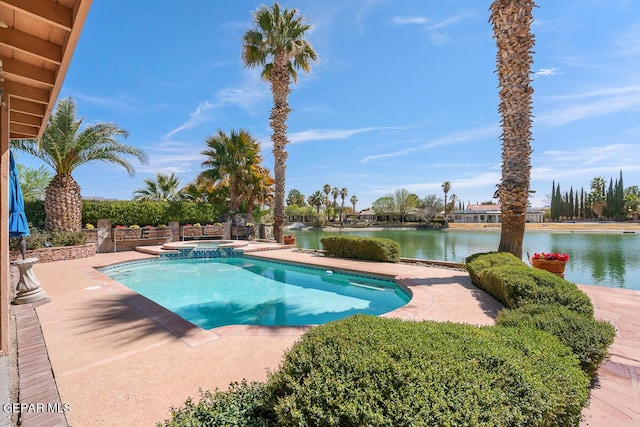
547	227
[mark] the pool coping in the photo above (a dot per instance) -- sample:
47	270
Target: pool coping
100	390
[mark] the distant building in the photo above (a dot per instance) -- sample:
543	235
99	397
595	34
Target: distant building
491	214
366	216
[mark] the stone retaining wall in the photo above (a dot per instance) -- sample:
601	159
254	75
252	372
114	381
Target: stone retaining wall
58	253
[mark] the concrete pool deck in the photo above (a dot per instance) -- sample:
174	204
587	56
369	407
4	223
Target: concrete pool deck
119	359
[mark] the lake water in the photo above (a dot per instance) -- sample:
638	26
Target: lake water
611	260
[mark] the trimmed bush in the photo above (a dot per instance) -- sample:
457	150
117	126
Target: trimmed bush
375	371
588	338
243	405
366	370
513	283
136	212
373	249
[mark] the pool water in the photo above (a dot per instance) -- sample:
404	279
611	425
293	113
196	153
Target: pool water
243	291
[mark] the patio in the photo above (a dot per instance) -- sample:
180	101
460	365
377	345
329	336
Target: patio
119	359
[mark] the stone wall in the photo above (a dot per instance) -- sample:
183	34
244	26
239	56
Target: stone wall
58	253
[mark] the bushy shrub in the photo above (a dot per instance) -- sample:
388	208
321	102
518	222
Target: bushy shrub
38	239
367	370
482	261
588	338
513	283
243	405
374	249
68	238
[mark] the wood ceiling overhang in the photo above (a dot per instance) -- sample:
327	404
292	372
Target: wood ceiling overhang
35	50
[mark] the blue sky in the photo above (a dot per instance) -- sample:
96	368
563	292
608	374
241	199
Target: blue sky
404	94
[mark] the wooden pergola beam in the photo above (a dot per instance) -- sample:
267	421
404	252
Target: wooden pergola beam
28	107
18	70
46	10
31	45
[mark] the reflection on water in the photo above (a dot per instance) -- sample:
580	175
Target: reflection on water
611	260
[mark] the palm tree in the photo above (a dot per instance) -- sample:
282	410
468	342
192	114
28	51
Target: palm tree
326	189
163	188
353	201
231	157
257	189
446	187
335	193
511	20
64	146
277	45
344	192
316	200
206	190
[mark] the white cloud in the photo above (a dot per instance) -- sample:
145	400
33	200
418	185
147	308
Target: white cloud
244	97
409	20
329	134
196	118
453	138
596	103
546	72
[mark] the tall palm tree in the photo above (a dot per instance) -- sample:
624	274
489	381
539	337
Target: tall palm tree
511	20
344	192
66	145
277	45
353	201
335	193
231	157
326	189
163	188
446	187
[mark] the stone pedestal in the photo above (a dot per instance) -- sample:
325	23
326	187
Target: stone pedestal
28	289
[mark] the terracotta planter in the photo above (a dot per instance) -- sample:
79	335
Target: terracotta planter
289	240
552	266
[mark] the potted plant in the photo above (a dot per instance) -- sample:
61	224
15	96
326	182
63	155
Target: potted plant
289	239
551	262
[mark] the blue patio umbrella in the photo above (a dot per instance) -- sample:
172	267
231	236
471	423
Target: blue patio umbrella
18	226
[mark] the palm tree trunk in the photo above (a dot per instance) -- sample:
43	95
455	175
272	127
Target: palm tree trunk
278	120
63	204
511	21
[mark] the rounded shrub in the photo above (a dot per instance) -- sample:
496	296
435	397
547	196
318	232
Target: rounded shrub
374	371
587	337
243	405
373	249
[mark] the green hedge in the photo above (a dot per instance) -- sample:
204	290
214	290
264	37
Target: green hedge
129	212
588	338
374	249
370	371
34	211
513	283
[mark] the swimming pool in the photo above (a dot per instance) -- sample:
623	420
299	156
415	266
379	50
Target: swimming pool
245	291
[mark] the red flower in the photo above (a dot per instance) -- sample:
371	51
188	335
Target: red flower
551	256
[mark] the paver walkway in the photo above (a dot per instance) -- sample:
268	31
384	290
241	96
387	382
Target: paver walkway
120	360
